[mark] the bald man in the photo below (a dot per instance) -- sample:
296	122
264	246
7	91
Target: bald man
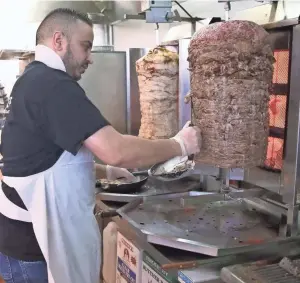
48	232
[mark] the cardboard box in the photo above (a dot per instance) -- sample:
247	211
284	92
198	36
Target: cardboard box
129	260
120	278
182	278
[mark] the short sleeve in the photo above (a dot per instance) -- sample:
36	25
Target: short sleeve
70	117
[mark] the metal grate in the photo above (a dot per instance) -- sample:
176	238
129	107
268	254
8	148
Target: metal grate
274	158
251	273
206	227
277	110
281	67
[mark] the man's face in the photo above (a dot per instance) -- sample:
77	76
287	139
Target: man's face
77	55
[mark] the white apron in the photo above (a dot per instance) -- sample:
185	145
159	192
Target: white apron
60	203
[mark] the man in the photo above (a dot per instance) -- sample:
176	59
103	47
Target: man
48	230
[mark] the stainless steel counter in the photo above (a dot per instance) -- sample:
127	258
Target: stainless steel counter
169	216
210	226
193	267
196	268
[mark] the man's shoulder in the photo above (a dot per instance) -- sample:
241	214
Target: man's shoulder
40	72
40	79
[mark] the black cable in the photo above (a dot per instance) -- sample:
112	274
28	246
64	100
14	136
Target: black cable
183	9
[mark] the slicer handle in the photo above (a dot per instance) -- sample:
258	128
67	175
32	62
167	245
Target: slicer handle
191	157
140	173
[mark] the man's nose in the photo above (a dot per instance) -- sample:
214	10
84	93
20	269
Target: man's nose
90	60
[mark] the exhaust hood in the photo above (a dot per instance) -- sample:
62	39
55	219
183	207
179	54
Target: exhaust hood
101	12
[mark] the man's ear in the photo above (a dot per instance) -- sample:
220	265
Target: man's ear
59	41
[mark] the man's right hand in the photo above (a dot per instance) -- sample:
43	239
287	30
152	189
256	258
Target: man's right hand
189	139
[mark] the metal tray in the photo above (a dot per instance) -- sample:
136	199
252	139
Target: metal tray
211	226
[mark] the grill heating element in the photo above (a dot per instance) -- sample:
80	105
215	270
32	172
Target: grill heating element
278	111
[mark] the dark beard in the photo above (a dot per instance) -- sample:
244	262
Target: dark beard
68	59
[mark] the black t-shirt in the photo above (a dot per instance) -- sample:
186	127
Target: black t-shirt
49	113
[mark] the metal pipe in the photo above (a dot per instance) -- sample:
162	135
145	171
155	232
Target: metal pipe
193	27
107	34
183	9
224	180
284	9
101	35
157	34
111	35
227	7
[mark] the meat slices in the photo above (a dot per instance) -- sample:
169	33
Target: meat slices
231	67
158	85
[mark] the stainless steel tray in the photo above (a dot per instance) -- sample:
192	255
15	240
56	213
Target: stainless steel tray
210	225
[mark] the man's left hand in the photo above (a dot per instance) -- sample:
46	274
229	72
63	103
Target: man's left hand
114	173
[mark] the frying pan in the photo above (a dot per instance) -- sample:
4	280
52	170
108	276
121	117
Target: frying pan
165	177
126	187
142	177
170	176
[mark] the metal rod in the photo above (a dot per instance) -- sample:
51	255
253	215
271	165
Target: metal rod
111	35
227	7
226	16
157	34
193	28
224	174
179	265
273	11
183	9
143	17
284	8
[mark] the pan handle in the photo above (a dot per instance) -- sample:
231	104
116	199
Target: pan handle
191	157
140	173
107	214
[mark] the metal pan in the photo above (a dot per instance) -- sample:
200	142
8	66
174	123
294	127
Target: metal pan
124	188
168	177
172	176
164	177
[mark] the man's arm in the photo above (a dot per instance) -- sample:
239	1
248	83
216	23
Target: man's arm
84	122
127	151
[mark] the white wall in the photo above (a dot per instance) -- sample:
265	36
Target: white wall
9	69
138	34
18	35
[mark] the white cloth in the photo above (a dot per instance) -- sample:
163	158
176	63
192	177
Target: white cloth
60	203
47	56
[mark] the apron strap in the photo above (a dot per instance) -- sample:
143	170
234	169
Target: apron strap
12	211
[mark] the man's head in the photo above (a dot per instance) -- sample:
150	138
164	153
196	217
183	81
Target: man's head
70	35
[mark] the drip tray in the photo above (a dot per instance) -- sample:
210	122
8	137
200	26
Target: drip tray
258	273
208	227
